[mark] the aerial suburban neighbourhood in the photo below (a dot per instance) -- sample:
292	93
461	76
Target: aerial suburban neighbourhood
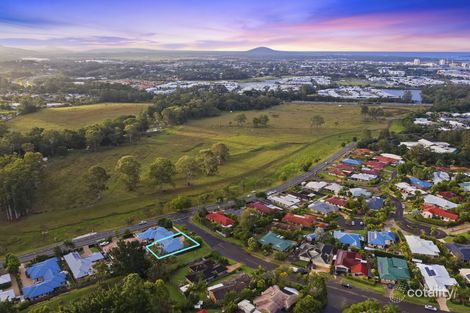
160	158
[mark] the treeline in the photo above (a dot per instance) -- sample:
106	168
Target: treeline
58	142
19	177
454	98
182	105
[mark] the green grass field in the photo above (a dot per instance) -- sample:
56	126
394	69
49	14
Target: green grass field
64	210
74	117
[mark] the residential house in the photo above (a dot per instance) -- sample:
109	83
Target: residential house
438	177
275	299
432	211
465	186
418	183
362	153
338	173
375	203
375	165
220	219
302	220
7	295
385	160
206	270
287	201
234	284
319	255
315	186
337	201
246	306
352	162
408	191
277	242
350	262
358	192
323	208
449	195
47	277
465	273
334	188
461	251
5	281
436	277
380	239
443	203
82	266
346	168
261	207
363	176
421	246
167	240
392	269
436	147
350	239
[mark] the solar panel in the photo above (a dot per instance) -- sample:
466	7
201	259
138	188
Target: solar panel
430	271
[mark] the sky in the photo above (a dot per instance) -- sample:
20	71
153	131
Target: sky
294	25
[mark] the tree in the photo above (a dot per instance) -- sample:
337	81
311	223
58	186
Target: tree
261	121
188	166
96	179
12	263
308	304
252	244
129	170
221	152
132	130
129	257
317	121
180	203
162	171
94	136
240	119
371	306
407	96
208	162
247	219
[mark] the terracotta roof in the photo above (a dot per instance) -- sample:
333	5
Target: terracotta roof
344	167
360	268
260	207
220	218
375	164
304	220
337	172
337	201
434	210
383	159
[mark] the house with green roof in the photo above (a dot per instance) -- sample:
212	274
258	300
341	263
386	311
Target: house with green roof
276	241
392	269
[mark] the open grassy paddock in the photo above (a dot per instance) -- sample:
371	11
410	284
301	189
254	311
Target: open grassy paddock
74	117
259	158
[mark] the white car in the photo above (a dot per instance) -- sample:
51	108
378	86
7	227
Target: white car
430	307
104	243
142	222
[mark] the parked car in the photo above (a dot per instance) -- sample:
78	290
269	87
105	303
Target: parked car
104	243
430	307
346	286
142	222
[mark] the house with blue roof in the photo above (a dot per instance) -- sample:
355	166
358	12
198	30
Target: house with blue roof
82	266
277	242
47	277
350	239
375	203
421	184
380	239
166	242
352	162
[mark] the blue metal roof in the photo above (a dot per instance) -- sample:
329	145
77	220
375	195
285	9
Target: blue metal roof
348	238
380	238
375	203
50	276
155	233
419	183
352	162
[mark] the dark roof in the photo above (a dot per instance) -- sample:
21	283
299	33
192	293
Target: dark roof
326	253
206	269
236	283
461	251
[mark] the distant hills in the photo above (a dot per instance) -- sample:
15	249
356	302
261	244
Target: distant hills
9	53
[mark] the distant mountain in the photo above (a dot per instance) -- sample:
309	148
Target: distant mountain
262	51
8	53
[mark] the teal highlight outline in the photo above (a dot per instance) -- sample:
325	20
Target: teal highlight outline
196	244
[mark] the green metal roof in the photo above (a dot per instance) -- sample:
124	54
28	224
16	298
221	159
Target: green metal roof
393	268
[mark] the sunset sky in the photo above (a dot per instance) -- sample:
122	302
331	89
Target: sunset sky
309	25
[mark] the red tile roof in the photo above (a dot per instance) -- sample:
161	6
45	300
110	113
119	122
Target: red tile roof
448	195
385	160
260	207
439	212
337	201
360	268
363	151
336	172
375	172
220	218
347	258
375	164
304	220
344	167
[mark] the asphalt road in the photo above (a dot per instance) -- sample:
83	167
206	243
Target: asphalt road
413	228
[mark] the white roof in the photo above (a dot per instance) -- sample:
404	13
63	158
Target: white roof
316	185
7	295
392	156
364	176
437	147
357	192
443	203
465	273
421	246
436	277
5	279
79	266
437	177
285	200
336	188
408	188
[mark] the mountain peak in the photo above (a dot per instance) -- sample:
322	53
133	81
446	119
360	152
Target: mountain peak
261	50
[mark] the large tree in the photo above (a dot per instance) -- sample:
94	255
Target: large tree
317	121
240	119
221	152
188	166
12	263
129	257
208	162
129	169
96	179
162	171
